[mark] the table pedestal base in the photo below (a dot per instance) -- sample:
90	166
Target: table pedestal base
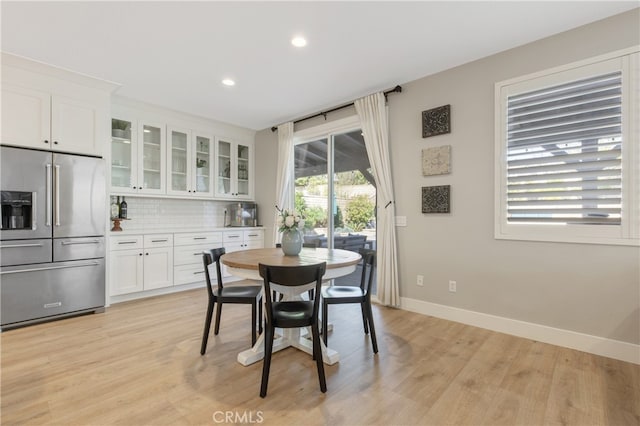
289	337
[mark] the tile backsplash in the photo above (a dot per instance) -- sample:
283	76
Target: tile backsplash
160	213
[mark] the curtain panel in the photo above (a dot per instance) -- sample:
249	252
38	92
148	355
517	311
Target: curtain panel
375	128
284	179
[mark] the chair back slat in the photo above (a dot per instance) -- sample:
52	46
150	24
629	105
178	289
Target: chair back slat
368	270
209	257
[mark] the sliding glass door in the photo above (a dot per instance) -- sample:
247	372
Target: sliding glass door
335	192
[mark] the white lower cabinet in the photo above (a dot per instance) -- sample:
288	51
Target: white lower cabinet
126	265
187	251
158	261
238	239
140	262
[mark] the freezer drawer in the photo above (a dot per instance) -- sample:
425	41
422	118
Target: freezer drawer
40	292
21	252
78	248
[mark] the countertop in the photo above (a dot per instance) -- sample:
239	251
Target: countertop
166	230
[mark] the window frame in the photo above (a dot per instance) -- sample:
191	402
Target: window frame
628	232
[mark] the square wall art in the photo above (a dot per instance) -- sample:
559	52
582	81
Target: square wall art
436	199
436	161
436	121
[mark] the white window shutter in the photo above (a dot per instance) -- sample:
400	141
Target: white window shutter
564	155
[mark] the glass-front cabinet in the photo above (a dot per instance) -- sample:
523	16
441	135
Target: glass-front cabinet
137	157
234	170
203	175
123	156
189	163
152	159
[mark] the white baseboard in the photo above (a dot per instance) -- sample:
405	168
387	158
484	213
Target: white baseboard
570	339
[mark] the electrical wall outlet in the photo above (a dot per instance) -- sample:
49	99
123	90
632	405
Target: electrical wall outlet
452	286
420	280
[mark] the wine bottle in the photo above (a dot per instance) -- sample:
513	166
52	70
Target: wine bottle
123	209
115	208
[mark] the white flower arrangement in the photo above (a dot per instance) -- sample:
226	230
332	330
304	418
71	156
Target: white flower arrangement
288	221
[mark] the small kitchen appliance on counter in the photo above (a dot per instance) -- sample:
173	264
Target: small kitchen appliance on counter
242	214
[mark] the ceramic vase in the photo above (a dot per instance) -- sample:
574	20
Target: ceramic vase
291	242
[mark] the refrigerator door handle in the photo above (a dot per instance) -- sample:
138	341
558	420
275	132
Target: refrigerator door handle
48	207
50	268
56	178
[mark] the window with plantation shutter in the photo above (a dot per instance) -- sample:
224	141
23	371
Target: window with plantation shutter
567	154
564	153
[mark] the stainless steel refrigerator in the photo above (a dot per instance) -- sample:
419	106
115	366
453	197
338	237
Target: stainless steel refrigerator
52	243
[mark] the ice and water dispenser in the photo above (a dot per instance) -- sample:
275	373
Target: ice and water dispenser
17	209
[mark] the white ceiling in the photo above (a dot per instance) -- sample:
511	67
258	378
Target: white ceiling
175	54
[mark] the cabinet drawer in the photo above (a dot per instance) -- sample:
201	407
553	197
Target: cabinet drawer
126	242
253	235
186	274
189	255
158	240
232	237
198	238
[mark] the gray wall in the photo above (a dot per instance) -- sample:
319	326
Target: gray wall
593	289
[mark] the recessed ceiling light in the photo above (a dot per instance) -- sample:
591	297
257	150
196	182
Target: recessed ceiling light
228	82
299	41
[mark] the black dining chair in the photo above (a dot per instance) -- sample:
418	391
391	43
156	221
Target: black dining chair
311	244
237	293
334	295
291	314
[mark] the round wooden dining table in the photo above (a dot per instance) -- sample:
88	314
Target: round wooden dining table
245	263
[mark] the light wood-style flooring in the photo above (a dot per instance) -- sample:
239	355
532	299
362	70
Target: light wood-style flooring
139	364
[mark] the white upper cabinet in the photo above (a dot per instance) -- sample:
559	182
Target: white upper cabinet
179	153
137	157
36	119
26	117
189	163
47	108
234	173
202	163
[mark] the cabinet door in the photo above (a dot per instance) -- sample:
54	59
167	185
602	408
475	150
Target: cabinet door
76	126
253	239
178	161
203	166
243	172
124	156
158	267
234	170
126	271
26	117
151	159
225	168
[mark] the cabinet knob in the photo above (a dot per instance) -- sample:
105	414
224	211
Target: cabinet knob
46	141
55	142
135	187
146	254
139	254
